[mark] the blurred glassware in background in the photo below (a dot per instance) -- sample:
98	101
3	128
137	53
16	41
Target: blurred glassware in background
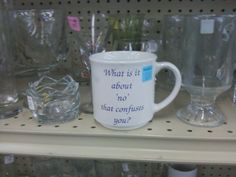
9	102
131	32
89	40
132	169
54	100
7	165
146	46
85	168
42	43
234	89
52	167
107	168
171	46
125	28
207	69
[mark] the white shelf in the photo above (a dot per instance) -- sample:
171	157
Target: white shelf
163	139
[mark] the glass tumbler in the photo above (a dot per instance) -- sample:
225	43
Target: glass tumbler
54	100
171	46
208	66
9	105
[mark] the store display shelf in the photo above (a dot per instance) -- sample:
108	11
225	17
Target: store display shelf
164	138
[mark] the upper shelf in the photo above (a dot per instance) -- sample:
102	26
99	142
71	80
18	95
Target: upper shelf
163	139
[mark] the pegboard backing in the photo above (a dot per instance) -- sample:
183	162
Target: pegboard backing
24	165
154	8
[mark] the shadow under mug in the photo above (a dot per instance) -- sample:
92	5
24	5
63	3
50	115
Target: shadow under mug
123	86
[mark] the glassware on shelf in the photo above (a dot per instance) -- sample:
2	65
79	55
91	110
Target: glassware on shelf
84	168
144	45
124	28
42	44
208	66
107	168
9	101
90	43
52	167
54	100
132	169
171	46
7	165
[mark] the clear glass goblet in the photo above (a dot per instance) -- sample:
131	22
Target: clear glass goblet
208	66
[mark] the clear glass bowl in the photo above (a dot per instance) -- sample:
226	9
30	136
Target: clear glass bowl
54	101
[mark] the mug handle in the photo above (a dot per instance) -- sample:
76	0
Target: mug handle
166	65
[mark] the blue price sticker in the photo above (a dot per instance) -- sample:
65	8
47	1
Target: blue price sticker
147	73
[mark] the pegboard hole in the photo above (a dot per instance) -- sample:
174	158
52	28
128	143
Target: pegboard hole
149	129
209	131
39	125
168	121
22	125
6	124
225	123
56	126
169	130
93	127
190	131
75	126
15	117
230	131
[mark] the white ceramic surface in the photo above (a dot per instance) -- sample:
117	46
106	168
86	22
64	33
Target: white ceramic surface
123	88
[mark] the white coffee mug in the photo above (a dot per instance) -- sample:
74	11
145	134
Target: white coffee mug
123	85
182	170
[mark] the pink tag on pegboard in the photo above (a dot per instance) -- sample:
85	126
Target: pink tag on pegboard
74	23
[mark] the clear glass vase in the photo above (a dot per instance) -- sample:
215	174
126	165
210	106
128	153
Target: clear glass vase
207	66
9	105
